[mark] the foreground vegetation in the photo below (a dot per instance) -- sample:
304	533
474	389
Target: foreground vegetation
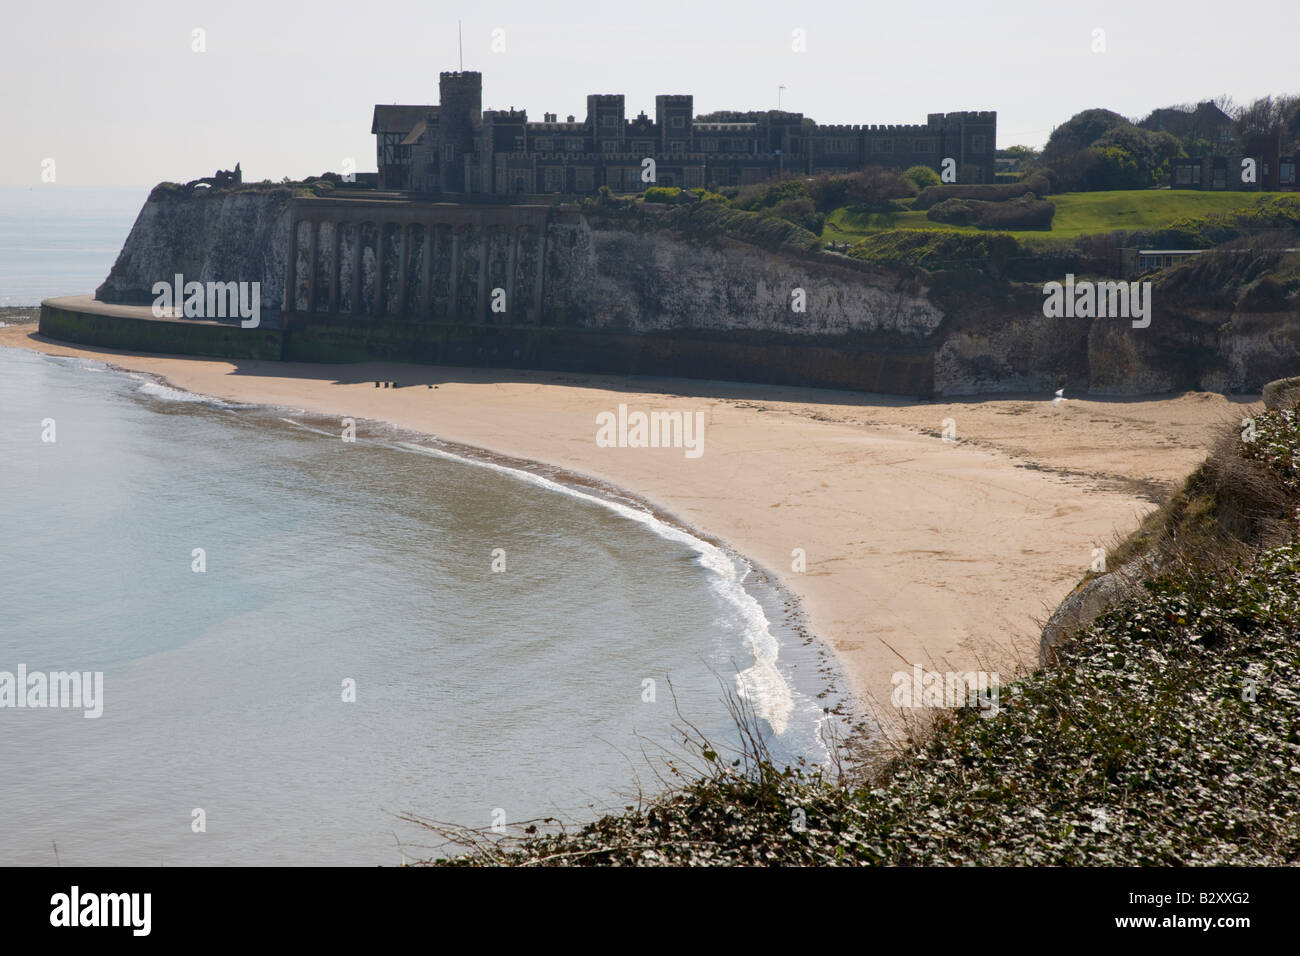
1167	732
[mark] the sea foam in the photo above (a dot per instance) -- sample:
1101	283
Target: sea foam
761	684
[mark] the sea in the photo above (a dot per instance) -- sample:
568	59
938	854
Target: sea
308	646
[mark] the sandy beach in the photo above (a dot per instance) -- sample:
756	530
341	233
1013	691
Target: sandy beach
919	550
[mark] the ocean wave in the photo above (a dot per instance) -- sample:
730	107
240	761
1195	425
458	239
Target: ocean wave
167	393
762	685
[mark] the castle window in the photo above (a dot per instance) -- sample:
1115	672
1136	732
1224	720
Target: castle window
709	145
923	146
607	122
610	145
643	146
574	144
519	144
678	122
882	146
677	146
544	143
977	144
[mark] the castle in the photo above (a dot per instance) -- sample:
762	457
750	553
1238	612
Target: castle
458	150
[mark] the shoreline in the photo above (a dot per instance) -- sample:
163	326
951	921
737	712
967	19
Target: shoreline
785	469
784	617
799	655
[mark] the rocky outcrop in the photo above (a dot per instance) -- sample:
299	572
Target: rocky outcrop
1282	393
1083	606
226	235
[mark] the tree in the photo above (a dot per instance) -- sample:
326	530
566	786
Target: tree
1150	151
1270	116
1099	167
1079	132
1025	154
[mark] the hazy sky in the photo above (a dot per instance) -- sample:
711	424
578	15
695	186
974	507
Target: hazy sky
115	94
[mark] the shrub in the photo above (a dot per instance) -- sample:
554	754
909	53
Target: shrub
1039	184
760	196
828	191
955	212
801	212
1023	213
921	177
662	194
706	220
936	249
874	187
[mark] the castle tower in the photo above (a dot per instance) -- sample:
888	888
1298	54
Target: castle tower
674	115
460	110
605	120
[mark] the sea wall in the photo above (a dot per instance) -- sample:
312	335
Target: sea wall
77	319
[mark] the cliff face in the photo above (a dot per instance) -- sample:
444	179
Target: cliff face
417	270
1195	341
207	236
653	281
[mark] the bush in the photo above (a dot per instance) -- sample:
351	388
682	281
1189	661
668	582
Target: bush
922	177
874	187
760	196
937	249
801	212
1099	168
1023	213
662	194
955	212
709	219
1275	214
828	191
1039	184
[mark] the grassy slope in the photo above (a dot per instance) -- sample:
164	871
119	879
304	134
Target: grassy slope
1077	214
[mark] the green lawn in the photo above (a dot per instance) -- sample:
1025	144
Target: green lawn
1077	214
